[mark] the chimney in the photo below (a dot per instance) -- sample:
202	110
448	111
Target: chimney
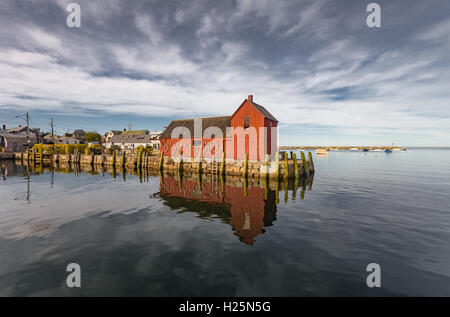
250	98
4	127
20	125
124	129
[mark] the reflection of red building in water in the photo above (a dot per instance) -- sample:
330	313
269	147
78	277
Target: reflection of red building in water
251	130
247	214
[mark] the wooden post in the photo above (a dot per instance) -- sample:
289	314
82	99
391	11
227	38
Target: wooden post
277	162
180	163
294	156
311	161
199	164
92	158
161	161
124	159
114	158
222	164
245	171
266	165
139	162
286	166
305	165
86	151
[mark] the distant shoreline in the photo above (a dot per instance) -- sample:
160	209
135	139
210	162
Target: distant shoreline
298	147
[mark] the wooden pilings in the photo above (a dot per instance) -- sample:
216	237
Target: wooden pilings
180	163
161	161
305	165
222	164
144	161
124	159
296	174
245	171
277	164
286	165
199	163
311	161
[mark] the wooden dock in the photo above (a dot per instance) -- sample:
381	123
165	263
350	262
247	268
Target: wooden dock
288	167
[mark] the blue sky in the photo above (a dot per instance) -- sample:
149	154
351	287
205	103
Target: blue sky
314	64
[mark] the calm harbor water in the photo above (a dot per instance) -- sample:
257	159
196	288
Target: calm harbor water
170	237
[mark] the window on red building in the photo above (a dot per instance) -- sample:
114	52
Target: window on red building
246	122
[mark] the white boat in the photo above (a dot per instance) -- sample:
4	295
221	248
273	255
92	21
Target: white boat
354	149
322	151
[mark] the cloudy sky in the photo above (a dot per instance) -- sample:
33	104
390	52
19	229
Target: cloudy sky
314	64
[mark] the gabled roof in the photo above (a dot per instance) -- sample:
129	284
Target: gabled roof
263	111
221	122
17	129
146	138
260	109
114	132
135	132
79	133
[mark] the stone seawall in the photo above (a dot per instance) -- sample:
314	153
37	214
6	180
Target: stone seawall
284	168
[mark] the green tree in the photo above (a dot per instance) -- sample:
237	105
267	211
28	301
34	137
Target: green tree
92	136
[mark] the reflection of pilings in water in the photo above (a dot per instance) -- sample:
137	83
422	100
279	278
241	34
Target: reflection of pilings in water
285	189
302	193
245	186
222	183
277	189
310	182
139	175
161	177
180	180
28	187
199	181
294	190
266	188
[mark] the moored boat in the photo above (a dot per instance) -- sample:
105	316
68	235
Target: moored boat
322	151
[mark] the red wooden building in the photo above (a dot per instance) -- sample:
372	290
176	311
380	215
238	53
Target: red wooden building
251	130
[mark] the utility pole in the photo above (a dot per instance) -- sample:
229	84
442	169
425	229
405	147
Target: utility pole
51	122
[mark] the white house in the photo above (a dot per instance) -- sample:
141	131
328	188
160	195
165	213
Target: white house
131	142
69	140
108	135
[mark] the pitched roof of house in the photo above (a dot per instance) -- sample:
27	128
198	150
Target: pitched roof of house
135	132
263	111
17	129
221	122
17	137
79	133
146	138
